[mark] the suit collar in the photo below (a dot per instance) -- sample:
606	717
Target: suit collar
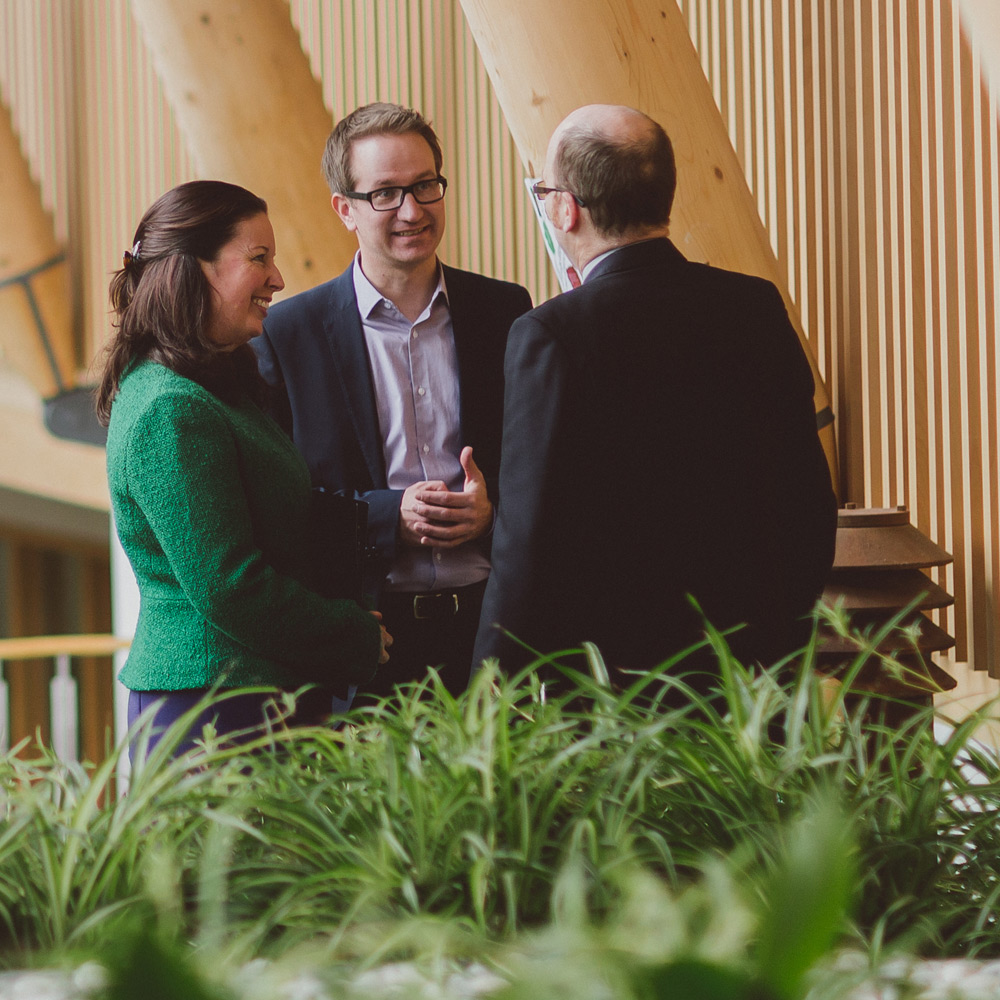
465	307
345	339
658	251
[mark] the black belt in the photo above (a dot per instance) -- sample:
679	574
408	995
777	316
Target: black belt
435	604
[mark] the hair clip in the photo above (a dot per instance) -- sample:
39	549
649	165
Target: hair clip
131	256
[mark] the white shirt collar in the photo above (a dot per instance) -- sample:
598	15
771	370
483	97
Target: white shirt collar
597	260
369	296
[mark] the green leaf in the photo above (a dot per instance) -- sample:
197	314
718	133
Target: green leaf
691	979
806	898
146	968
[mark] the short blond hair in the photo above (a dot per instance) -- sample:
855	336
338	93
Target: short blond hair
372	119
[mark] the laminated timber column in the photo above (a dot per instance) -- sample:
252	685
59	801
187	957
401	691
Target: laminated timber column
981	20
36	314
252	113
551	56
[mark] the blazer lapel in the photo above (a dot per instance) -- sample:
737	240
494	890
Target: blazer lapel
345	340
463	325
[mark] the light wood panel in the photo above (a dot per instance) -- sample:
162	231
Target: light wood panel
981	22
421	53
863	128
36	317
869	138
99	137
640	56
33	461
253	114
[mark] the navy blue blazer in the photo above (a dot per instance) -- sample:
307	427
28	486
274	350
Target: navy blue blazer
659	440
312	353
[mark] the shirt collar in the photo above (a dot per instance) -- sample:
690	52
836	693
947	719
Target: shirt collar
590	265
369	297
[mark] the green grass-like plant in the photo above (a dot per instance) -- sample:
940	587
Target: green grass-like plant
470	826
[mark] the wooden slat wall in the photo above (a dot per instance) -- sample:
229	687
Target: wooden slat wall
420	53
865	132
55	586
132	152
871	144
36	92
96	131
101	139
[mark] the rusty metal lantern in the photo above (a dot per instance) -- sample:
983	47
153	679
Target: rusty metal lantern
877	572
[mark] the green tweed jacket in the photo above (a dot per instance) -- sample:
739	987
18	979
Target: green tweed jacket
211	503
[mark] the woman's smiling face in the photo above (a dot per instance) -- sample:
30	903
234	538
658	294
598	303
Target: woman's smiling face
243	278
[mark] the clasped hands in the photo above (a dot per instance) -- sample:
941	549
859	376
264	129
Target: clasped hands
431	514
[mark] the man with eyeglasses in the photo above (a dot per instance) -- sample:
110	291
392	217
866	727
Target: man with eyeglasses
390	379
659	435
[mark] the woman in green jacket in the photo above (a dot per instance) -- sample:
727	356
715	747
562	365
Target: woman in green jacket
210	498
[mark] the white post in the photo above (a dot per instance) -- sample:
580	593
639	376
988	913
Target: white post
4	712
124	615
64	710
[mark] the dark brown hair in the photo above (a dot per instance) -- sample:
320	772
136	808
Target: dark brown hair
625	185
161	297
372	119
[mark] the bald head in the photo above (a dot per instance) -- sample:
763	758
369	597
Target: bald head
614	122
619	163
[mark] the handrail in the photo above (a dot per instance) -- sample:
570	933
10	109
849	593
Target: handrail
41	647
64	702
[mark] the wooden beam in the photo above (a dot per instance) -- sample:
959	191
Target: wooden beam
33	461
981	21
551	56
252	113
36	320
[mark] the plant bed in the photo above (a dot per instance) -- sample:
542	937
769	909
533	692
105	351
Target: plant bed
736	844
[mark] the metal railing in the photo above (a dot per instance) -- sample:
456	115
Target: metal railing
64	702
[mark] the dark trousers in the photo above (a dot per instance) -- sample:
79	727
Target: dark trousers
435	629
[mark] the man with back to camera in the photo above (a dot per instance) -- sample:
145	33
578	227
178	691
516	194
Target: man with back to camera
659	434
390	379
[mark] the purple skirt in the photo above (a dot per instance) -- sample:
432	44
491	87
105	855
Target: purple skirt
242	714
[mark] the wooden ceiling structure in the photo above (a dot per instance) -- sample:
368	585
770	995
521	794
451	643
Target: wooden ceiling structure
241	89
239	83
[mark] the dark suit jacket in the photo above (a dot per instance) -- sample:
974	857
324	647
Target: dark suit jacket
312	353
659	440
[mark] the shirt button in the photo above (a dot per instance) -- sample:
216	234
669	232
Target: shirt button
414	334
427	448
421	391
437	556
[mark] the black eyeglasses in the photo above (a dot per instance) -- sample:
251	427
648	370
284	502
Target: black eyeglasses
540	192
387	199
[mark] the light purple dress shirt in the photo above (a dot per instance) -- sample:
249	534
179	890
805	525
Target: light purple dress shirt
415	371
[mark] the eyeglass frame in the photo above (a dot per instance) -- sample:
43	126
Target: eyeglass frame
540	191
404	191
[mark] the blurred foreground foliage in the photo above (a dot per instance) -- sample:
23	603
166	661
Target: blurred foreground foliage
584	843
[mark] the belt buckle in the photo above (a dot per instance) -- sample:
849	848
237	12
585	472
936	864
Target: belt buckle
432	601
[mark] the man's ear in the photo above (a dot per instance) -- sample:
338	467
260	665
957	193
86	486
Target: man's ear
567	216
345	211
